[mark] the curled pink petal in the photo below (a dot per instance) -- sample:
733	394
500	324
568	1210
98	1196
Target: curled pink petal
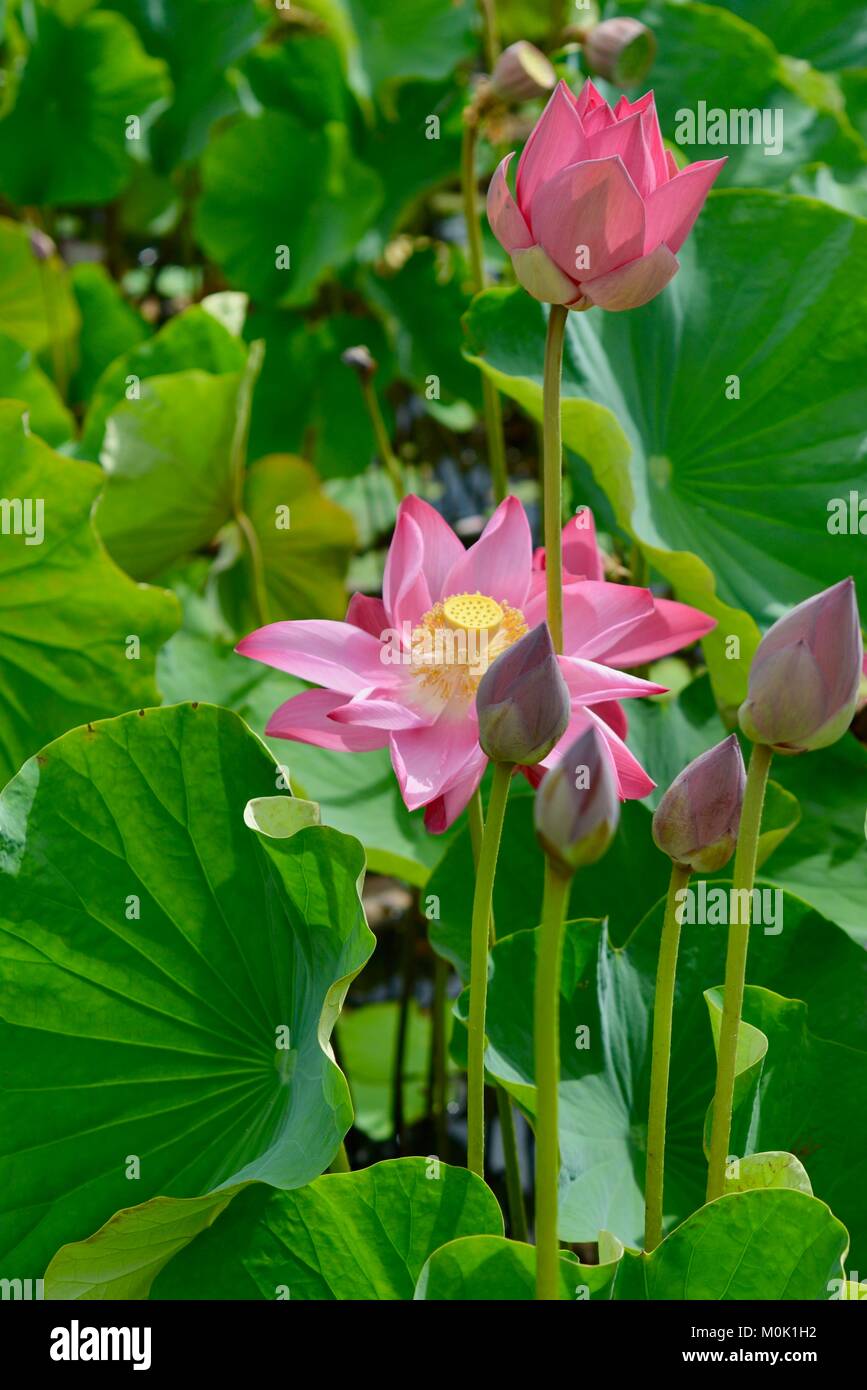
379	709
596	615
581	554
632	780
405	591
590	683
674	206
306	719
506	219
670	627
626	139
635	284
444	810
441	548
557	139
428	761
590	218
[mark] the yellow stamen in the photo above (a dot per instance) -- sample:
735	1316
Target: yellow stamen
458	639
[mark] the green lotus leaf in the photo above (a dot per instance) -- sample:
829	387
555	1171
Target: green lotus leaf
110	326
37	306
78	639
481	1268
768	1245
169	978
75	147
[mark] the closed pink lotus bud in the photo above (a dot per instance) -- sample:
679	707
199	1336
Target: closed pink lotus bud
522	72
806	674
600	207
523	702
696	822
620	50
577	807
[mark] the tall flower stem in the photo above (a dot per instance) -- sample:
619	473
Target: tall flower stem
389	459
505	1113
491	404
736	966
485	873
663	1008
552	482
547	1068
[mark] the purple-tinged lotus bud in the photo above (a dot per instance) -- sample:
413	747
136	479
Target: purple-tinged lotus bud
361	360
522	72
523	701
806	673
620	50
577	804
41	244
696	822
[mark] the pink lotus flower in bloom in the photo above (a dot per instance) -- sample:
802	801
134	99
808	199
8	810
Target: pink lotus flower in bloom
601	207
402	671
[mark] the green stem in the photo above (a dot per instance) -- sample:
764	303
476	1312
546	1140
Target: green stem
383	443
439	1080
340	1162
663	1007
489	32
552	482
490	396
736	967
479	967
514	1191
505	1109
546	1027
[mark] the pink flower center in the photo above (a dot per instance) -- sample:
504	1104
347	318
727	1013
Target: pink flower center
458	639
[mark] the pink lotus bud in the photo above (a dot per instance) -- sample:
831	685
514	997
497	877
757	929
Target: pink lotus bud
696	822
607	204
523	701
522	72
806	674
577	806
620	50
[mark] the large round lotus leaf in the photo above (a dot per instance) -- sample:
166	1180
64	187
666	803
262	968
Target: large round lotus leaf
169	978
78	639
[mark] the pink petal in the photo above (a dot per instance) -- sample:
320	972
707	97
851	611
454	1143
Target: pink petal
596	205
305	718
444	810
589	99
429	761
646	106
674	206
557	139
626	138
667	629
498	564
441	548
615	715
635	284
581	554
368	614
405	591
333	654
379	709
596	615
632	780
507	221
590	683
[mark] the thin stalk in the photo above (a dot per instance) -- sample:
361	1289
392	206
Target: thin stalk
505	1108
663	1008
514	1191
485	873
383	443
491	42
490	396
552	481
438	1074
340	1162
407	972
546	1025
736	967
